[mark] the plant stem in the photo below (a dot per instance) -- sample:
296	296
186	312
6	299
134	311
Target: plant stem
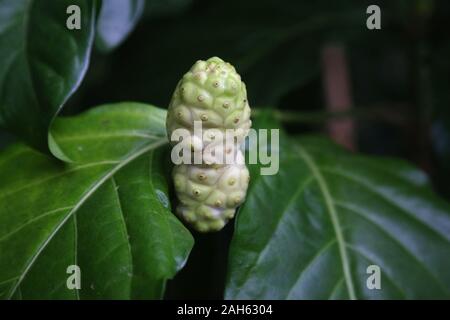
387	113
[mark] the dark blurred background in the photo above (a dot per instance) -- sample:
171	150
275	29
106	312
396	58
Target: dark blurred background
382	92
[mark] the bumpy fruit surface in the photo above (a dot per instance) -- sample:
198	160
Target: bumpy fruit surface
209	196
212	93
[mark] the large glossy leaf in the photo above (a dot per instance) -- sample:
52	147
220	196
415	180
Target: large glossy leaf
116	20
107	212
312	230
42	63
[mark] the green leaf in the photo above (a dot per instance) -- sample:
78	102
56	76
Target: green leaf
116	20
42	63
311	231
107	213
110	132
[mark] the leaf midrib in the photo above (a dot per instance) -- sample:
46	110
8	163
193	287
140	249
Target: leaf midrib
82	200
387	200
57	175
392	237
333	216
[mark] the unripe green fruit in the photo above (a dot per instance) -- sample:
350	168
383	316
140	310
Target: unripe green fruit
211	92
209	193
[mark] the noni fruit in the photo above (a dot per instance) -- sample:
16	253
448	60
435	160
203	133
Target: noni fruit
212	94
209	195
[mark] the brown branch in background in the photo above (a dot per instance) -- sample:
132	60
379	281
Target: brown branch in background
337	91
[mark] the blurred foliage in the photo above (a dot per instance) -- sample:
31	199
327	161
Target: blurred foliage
274	46
116	20
46	73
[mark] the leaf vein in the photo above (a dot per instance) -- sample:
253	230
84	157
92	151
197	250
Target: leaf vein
334	219
82	200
